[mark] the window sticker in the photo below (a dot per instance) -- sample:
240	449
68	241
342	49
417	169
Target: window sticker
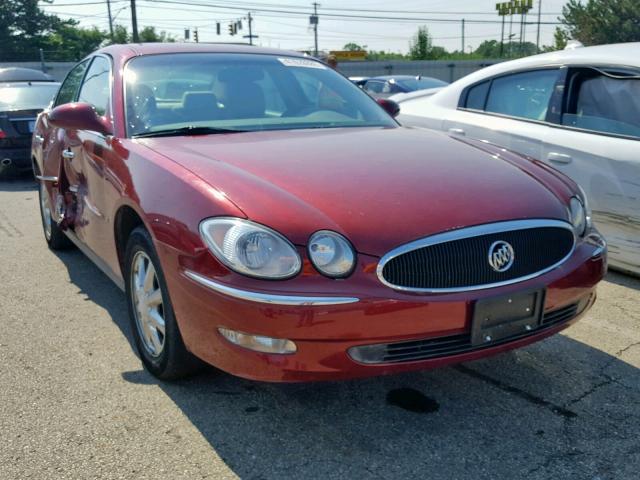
300	62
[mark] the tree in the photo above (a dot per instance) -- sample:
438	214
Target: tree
149	34
421	45
68	42
354	47
382	55
601	21
23	28
560	39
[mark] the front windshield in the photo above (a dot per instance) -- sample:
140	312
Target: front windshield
244	92
413	84
27	96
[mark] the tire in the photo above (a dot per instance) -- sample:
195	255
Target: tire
53	234
150	311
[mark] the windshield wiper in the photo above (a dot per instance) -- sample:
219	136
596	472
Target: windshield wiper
190	130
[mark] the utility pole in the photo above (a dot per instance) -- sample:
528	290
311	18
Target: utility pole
538	35
110	19
463	35
251	36
502	38
314	21
134	22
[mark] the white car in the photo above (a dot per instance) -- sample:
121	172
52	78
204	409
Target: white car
400	98
577	110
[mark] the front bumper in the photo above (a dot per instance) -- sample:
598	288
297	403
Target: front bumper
327	329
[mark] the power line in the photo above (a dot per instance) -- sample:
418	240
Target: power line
338	15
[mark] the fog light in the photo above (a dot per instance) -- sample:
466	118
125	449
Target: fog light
259	343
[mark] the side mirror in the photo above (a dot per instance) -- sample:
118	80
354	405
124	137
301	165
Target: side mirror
391	107
79	116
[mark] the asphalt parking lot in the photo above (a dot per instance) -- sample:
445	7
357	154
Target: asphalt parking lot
75	402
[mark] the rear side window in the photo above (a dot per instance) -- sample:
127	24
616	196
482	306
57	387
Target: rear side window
522	95
374	86
608	104
476	96
71	84
95	88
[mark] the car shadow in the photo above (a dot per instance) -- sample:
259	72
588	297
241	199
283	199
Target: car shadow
559	407
623	279
22	182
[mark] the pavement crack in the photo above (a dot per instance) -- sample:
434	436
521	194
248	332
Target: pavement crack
593	389
552	458
529	397
620	352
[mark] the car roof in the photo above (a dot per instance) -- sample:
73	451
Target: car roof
396	77
620	54
17	74
137	49
29	83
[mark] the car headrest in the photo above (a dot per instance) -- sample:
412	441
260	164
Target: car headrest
241	74
199	100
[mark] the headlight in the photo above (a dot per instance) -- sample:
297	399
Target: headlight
578	215
249	248
331	254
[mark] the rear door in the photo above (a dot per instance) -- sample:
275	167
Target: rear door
598	145
55	141
509	110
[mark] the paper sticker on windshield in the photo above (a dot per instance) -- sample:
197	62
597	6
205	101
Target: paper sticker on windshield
300	62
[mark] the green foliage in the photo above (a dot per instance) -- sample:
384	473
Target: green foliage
354	47
149	34
25	29
421	45
382	55
68	42
597	22
560	39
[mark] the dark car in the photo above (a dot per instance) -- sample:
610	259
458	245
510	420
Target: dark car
387	85
282	226
24	93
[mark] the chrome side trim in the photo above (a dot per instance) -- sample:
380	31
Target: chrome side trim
266	297
44	178
469	232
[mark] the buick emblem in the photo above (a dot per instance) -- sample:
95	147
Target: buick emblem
501	256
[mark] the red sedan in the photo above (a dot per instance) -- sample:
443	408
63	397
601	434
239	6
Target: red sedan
266	216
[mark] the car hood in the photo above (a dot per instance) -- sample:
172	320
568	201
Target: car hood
381	187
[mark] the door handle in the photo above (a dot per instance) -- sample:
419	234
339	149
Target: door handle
559	157
68	154
456	131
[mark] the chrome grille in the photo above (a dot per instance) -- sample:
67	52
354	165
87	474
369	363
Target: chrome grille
459	260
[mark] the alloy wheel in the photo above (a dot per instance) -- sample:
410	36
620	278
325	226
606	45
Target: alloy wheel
148	304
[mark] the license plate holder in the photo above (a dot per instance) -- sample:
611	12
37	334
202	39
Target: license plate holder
497	318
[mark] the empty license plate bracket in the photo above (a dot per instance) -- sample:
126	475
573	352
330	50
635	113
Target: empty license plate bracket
497	318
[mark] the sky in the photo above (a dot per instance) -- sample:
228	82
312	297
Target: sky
285	23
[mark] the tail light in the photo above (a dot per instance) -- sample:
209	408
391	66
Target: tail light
2	134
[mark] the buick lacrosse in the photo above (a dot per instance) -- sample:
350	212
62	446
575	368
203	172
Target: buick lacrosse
266	216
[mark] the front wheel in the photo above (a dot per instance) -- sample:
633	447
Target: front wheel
155	331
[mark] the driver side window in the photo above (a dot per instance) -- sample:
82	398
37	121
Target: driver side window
69	88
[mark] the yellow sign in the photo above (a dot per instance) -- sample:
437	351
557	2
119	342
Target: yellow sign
348	55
